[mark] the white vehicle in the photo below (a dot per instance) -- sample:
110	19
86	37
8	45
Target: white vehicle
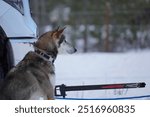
16	25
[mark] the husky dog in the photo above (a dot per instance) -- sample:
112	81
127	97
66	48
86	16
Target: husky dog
32	78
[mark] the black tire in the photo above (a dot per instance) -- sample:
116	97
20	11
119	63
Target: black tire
6	55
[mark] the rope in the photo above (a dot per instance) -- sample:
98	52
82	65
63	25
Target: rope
122	98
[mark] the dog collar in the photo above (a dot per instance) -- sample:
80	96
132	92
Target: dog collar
43	55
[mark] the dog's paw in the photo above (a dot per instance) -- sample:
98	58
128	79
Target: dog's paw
50	98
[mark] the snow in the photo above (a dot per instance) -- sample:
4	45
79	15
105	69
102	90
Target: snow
104	68
99	68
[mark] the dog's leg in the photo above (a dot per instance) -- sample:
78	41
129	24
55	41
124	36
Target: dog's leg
50	98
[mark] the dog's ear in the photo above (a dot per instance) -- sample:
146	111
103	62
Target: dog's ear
57	33
57	29
61	31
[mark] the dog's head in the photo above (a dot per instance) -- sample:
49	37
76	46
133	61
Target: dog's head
55	41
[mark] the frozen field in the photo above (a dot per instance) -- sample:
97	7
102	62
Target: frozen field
104	68
100	68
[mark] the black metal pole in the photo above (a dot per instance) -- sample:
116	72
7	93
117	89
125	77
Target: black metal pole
63	88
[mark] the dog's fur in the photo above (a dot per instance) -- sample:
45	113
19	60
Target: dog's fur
32	78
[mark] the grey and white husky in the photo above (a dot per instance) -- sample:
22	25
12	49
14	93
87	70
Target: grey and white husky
31	78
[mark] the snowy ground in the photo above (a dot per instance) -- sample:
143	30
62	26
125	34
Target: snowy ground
100	68
104	68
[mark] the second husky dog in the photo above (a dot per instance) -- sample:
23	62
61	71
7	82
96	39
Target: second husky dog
32	78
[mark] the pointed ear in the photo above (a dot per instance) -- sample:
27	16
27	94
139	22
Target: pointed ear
56	34
57	29
61	31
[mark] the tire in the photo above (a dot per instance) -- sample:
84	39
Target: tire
6	55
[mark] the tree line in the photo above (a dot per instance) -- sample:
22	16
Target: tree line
98	25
